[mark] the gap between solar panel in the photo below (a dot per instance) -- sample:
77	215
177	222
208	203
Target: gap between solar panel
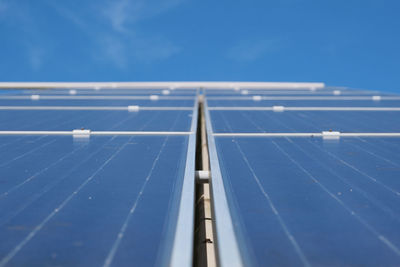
204	249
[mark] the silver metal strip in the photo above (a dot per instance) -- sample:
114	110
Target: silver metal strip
304	98
95	97
88	108
182	250
93	133
156	85
228	253
305	134
308	108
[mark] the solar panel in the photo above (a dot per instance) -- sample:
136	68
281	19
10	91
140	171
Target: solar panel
112	174
96	179
307	180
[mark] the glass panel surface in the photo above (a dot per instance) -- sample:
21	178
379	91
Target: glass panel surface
305	121
300	201
86	202
95	120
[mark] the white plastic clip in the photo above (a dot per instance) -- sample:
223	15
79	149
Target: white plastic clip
330	135
257	98
81	133
376	97
154	97
166	92
72	92
337	92
313	89
133	108
97	88
278	108
202	176
35	97
245	92
236	88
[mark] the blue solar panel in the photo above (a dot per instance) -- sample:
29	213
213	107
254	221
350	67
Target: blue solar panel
308	201
96	120
73	198
76	202
305	121
299	176
311	201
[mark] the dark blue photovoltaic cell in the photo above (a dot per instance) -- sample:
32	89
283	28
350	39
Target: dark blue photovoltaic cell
303	103
66	201
98	102
305	121
95	120
309	201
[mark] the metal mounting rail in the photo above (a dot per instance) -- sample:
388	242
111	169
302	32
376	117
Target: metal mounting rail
182	249
327	98
88	132
228	252
157	85
283	108
91	108
93	97
321	134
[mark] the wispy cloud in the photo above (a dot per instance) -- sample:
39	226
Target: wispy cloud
18	16
112	30
120	40
122	13
251	50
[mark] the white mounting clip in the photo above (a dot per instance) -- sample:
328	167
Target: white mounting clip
166	92
133	108
35	97
245	92
72	92
330	135
278	108
337	92
81	133
376	97
257	98
154	97
203	176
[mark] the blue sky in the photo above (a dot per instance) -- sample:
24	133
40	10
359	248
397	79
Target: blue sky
341	42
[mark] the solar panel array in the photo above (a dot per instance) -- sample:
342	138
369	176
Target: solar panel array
97	177
310	177
106	177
